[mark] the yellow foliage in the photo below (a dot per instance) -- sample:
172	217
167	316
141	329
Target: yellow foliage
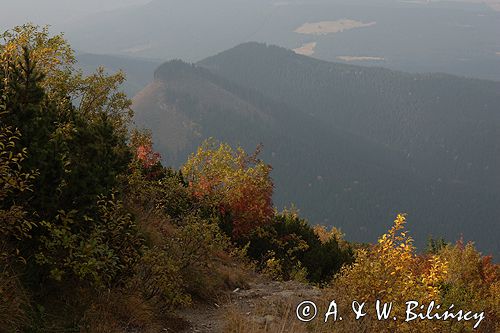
391	272
325	235
51	53
55	59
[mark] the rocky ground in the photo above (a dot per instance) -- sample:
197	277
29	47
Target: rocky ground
261	304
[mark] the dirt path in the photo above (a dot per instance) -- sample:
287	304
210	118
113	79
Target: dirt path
211	318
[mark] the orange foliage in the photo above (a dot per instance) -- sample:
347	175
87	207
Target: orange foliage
147	156
240	184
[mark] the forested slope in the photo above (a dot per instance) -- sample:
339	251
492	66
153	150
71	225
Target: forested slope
349	145
444	124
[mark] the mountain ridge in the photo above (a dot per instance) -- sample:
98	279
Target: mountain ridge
335	173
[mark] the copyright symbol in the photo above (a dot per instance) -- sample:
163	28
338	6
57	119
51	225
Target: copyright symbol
306	311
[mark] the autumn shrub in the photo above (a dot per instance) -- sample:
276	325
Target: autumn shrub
146	161
154	190
390	271
184	262
158	272
65	234
64	152
237	185
473	282
184	241
77	154
159	278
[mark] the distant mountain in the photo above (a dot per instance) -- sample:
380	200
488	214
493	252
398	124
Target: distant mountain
444	125
351	146
138	71
170	29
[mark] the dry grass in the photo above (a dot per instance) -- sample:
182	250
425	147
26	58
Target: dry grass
221	276
119	311
13	302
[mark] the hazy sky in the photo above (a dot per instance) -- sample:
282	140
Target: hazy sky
54	12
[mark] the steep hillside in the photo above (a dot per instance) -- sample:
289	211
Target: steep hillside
347	167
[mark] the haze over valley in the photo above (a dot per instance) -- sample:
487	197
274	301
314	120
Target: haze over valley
456	37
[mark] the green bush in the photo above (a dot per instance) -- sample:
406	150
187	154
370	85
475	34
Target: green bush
103	252
290	247
70	222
